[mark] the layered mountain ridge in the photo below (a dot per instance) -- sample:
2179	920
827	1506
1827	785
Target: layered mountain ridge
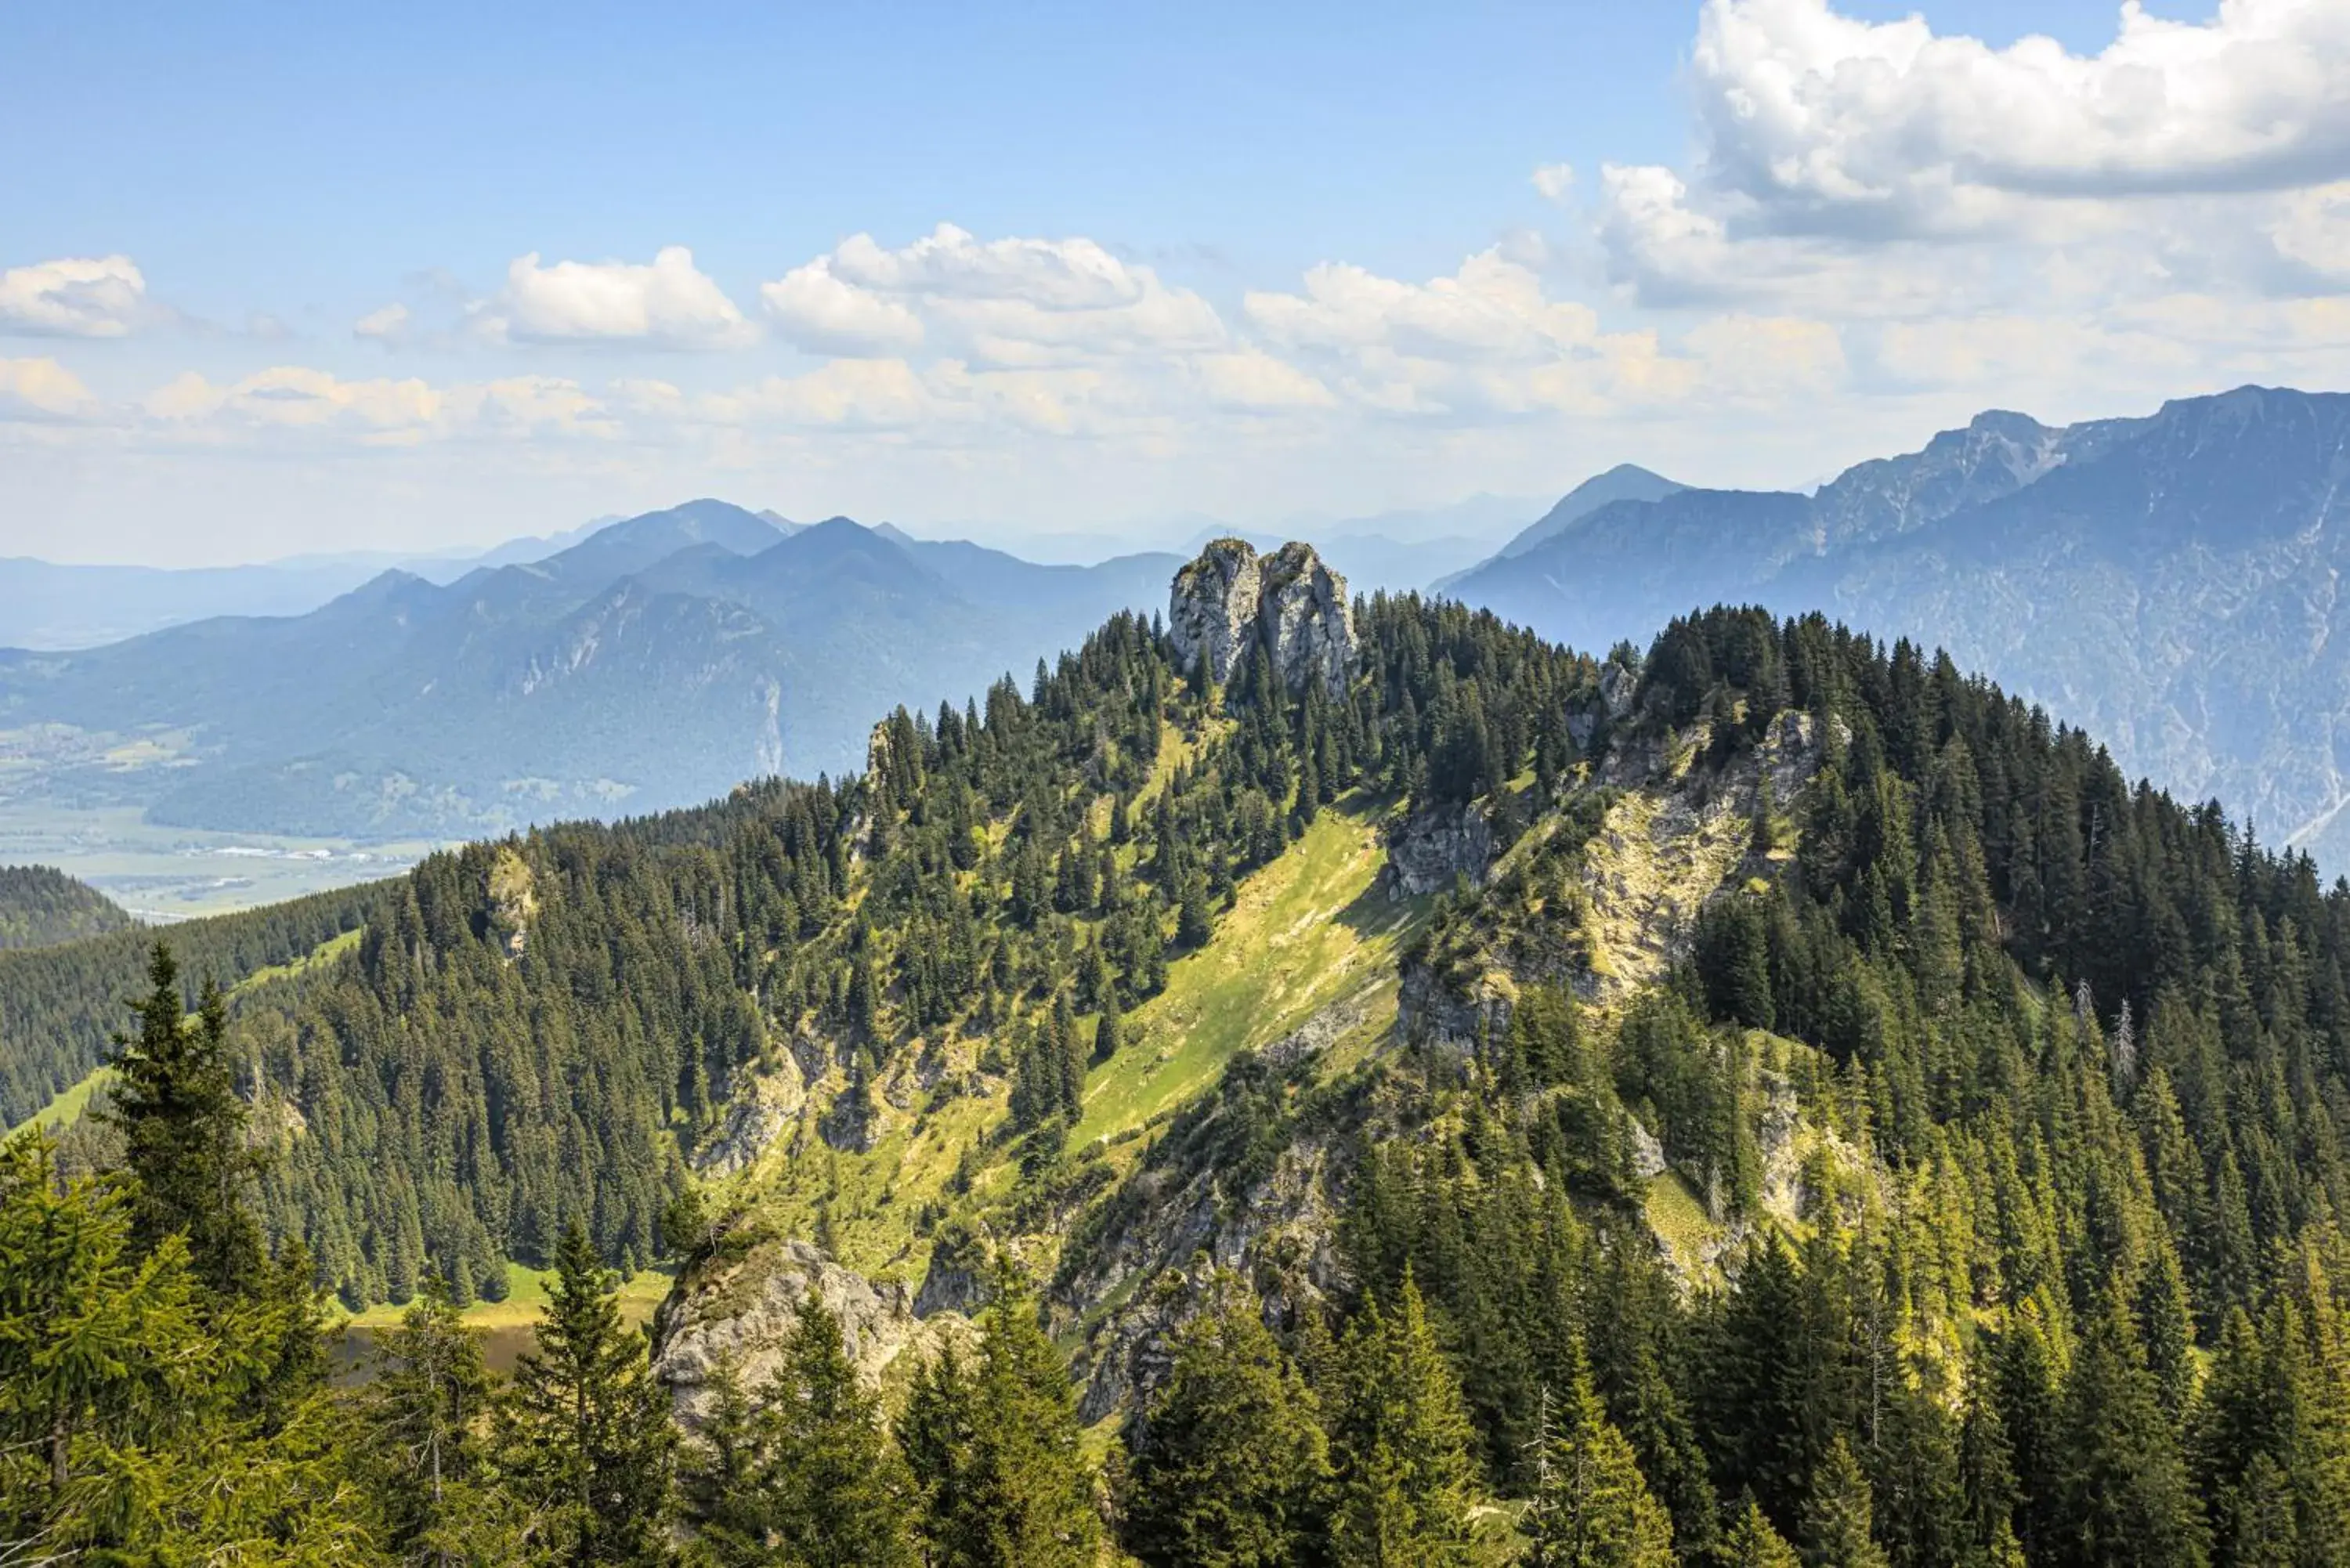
657	661
2168	582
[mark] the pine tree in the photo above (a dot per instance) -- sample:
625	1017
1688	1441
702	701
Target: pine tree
1109	1034
136	1420
1195	927
423	1410
1406	1481
2126	1499
938	1434
841	1492
88	1333
183	1129
1591	1508
584	1429
721	1475
1228	1457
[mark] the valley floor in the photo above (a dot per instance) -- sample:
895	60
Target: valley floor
165	874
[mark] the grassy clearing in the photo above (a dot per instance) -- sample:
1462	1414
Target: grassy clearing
1305	931
1678	1218
325	953
526	1296
68	1105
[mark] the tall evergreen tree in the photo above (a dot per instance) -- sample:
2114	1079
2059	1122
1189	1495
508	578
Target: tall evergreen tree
1406	1482
423	1410
1752	1543
174	1101
721	1475
1838	1516
2126	1499
584	1431
1229	1463
841	1493
995	1451
1591	1508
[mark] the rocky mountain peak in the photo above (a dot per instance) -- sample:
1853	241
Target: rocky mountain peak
1230	597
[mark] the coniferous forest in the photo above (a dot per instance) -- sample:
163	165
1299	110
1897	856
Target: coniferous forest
1961	1187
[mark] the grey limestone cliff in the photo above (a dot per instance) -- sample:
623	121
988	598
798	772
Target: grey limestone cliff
1229	597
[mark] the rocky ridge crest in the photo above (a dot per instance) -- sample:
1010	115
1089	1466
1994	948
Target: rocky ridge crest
1230	597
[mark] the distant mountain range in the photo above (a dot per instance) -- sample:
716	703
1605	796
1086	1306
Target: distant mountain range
52	606
657	661
2171	583
2174	583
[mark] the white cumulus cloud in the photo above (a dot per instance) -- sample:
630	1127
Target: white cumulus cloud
41	387
670	303
104	296
1011	302
1825	120
1491	309
817	309
387	325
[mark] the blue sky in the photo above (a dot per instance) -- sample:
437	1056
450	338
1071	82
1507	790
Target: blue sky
284	277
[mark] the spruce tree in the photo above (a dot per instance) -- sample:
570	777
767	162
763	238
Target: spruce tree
841	1493
1406	1482
995	1451
183	1131
1752	1543
1109	1034
1838	1515
1228	1457
422	1409
1591	1508
722	1473
584	1429
2123	1482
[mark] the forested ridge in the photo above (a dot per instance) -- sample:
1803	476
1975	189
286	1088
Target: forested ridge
1963	1190
40	906
61	1006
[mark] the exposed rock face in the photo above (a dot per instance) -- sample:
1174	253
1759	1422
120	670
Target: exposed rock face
755	1116
1228	597
745	1312
1282	1235
1435	1011
957	1278
1429	848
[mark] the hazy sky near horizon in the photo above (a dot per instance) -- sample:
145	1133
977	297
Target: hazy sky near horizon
278	278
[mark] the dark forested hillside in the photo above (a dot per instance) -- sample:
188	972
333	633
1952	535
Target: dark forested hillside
1777	1098
60	1007
41	906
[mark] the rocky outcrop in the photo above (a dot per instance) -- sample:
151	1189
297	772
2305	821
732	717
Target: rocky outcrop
744	1311
755	1116
1431	847
1440	1009
957	1279
1281	1235
1231	598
